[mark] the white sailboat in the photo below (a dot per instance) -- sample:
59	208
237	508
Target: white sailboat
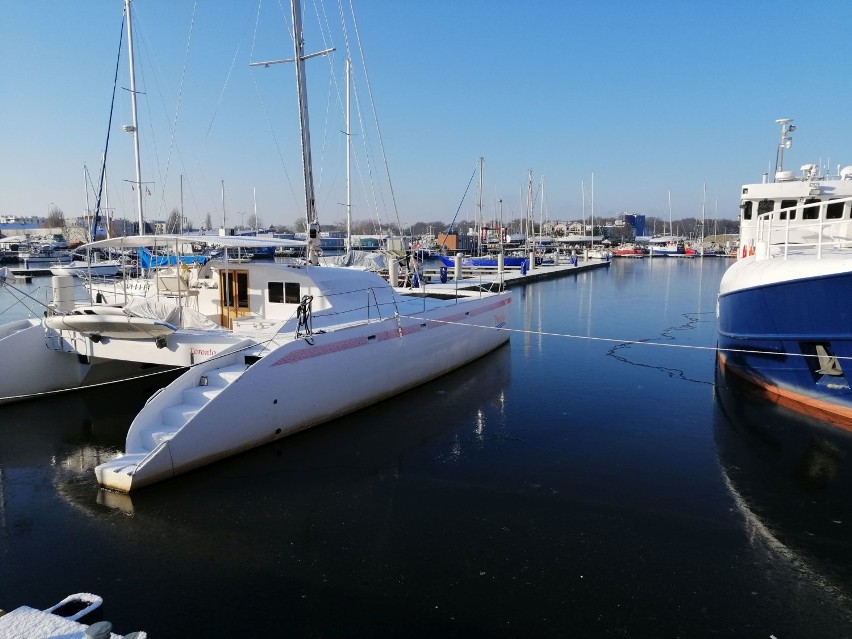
667	244
269	349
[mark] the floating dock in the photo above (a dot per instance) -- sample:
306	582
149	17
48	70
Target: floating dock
473	278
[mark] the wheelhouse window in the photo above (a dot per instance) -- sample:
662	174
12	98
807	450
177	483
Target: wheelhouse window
283	292
291	292
275	291
765	206
787	204
746	207
811	209
834	210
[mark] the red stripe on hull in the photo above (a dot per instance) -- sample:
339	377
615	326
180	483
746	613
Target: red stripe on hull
357	342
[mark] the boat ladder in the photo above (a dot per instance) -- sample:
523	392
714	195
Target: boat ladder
194	398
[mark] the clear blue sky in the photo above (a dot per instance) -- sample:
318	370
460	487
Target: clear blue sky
647	96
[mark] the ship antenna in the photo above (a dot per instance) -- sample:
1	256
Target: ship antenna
785	143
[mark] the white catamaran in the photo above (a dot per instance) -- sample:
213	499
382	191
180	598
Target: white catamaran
269	348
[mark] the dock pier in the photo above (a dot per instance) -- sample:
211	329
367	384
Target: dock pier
472	278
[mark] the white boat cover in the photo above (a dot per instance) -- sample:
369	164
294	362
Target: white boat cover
169	312
367	260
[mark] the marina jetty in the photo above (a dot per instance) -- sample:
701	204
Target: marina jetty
475	277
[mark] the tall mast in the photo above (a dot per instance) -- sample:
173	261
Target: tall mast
86	192
224	217
479	204
181	203
671	230
106	202
301	89
348	158
592	205
529	209
134	126
541	211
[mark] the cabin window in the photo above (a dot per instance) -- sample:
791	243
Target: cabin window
283	292
811	209
834	210
787	204
765	206
276	292
746	206
291	292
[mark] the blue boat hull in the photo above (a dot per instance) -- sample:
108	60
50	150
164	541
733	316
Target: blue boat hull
508	261
781	336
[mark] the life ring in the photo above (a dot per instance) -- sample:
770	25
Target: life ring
134	263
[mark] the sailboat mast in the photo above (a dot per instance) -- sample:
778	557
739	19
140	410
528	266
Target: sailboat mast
301	89
181	203
348	160
479	204
671	228
529	209
134	127
254	197
86	192
106	202
224	218
541	212
592	204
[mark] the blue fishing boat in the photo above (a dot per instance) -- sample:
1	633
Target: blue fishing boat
785	305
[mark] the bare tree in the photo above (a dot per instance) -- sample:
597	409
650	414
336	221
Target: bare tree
300	225
208	223
173	222
55	218
254	221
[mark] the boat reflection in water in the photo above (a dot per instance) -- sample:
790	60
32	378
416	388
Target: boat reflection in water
367	446
72	431
790	477
314	515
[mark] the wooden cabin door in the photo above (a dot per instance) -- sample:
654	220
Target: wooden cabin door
233	296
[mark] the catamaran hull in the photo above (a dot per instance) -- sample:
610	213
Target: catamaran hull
34	369
789	337
277	394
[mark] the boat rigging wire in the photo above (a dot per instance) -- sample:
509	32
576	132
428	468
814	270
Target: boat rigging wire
375	116
265	109
109	128
469	182
174	124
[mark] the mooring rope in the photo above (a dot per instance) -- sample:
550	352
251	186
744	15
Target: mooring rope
621	341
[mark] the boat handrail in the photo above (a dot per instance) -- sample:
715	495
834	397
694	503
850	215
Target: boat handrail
772	224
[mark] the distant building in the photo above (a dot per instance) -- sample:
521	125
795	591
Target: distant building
636	222
20	221
452	241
